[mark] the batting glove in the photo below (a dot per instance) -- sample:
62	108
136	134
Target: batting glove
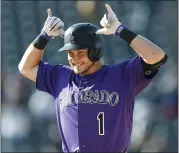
109	22
53	26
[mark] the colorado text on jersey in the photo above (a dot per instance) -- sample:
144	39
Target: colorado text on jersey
91	97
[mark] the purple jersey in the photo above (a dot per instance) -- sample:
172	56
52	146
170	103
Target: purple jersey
94	112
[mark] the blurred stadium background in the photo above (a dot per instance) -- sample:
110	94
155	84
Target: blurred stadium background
28	116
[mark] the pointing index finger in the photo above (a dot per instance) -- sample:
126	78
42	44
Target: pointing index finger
109	9
49	12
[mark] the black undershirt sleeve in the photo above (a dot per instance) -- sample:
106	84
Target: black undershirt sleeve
150	70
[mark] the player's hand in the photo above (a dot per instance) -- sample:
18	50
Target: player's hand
109	22
53	26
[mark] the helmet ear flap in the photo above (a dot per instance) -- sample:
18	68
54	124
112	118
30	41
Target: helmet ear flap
99	53
90	54
95	54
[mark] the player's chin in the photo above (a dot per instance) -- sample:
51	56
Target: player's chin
77	70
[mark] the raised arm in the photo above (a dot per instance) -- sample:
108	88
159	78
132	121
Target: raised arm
29	63
149	52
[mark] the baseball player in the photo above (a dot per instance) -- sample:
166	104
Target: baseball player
94	102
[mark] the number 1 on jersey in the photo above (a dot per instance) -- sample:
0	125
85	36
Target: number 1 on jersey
100	119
